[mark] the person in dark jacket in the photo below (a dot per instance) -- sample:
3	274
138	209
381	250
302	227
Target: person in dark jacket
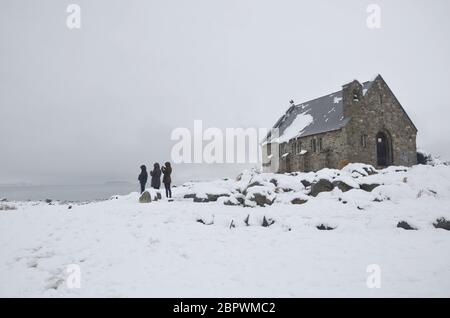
167	180
156	176
143	177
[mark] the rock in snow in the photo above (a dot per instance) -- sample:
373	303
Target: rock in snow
150	195
145	197
405	225
344	187
298	201
368	187
442	223
322	185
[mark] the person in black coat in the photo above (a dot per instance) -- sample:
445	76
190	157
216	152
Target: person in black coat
143	177
156	176
167	180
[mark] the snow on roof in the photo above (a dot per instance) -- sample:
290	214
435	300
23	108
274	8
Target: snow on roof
320	115
295	128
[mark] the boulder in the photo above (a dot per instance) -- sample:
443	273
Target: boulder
145	197
267	222
322	185
255	184
259	195
368	187
305	183
214	197
261	199
200	199
404	225
209	197
298	201
344	187
324	227
234	200
230	203
442	223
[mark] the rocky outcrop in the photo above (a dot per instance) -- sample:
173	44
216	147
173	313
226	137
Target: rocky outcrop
261	199
305	183
322	185
344	187
442	223
405	225
234	200
368	187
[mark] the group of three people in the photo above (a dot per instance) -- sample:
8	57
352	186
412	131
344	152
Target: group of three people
155	183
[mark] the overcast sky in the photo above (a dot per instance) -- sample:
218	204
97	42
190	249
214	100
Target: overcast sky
90	105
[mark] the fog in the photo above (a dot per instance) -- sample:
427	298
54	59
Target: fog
91	105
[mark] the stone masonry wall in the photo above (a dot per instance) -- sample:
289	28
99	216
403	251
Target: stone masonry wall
330	156
377	111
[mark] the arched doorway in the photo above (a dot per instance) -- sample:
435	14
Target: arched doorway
384	150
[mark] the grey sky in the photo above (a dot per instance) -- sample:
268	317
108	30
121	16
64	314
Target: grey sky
91	105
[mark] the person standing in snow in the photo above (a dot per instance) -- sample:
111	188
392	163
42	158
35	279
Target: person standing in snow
156	176
143	177
167	180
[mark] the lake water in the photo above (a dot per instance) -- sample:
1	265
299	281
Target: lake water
66	192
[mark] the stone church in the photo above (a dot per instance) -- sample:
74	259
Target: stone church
360	123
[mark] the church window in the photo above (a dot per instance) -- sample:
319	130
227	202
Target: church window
313	145
364	141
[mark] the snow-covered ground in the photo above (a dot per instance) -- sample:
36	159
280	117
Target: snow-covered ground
160	249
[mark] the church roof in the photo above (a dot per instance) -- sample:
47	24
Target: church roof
316	116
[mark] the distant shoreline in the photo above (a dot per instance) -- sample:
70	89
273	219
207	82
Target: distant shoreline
66	193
